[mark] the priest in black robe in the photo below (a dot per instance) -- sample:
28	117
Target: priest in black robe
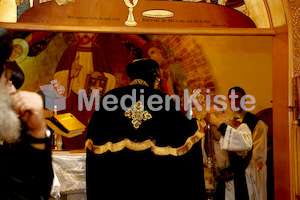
140	146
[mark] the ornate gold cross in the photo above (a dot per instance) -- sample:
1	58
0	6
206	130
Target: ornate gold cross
138	114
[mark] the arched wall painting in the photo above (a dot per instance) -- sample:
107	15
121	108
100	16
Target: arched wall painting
129	13
187	62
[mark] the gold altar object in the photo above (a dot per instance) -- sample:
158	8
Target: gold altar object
209	165
64	125
68	123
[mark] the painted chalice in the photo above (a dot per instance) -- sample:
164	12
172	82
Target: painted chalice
130	20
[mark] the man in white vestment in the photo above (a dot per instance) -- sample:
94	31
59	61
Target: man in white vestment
257	169
254	160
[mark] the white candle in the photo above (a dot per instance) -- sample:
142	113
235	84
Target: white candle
55	110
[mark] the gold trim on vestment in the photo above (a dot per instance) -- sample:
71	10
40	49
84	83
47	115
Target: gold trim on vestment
139	82
147	144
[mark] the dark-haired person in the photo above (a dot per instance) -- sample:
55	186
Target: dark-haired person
15	73
246	173
139	147
25	155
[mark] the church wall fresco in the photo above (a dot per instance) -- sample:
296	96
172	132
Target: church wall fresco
187	62
257	10
130	13
85	37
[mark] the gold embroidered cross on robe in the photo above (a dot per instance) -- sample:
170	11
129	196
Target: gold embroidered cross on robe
138	114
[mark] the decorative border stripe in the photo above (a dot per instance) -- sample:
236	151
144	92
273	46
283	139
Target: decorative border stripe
147	144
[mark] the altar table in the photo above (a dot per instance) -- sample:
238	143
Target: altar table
69	171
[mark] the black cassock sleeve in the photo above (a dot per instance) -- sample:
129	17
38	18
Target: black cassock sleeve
26	172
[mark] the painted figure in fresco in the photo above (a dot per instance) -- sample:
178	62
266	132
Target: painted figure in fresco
16	52
20	50
22	6
241	172
84	59
156	51
38	41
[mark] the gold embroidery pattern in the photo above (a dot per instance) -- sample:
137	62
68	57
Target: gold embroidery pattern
139	82
138	114
147	144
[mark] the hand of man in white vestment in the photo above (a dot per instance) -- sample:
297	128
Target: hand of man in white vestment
30	107
211	119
